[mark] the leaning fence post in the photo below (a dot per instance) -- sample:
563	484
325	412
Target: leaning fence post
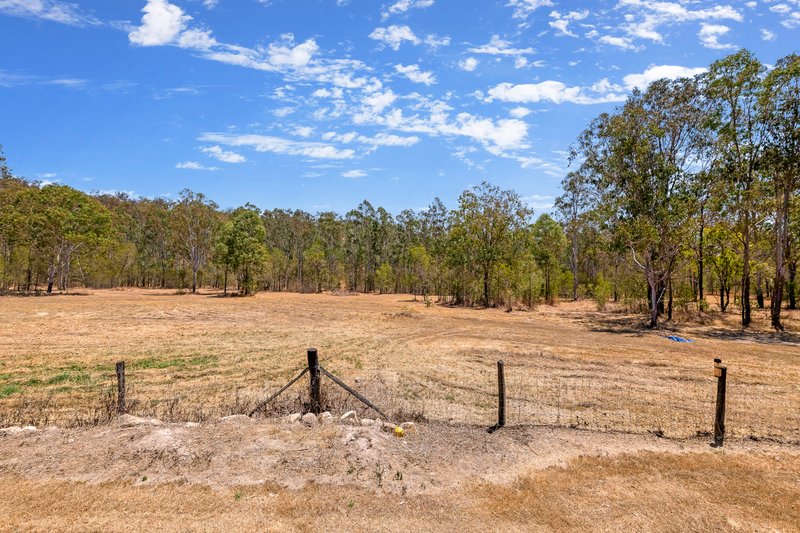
721	373
501	393
121	387
313	367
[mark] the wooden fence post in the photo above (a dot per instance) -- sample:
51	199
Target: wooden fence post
501	392
315	393
121	387
721	373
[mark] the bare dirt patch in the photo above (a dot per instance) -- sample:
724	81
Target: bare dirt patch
275	475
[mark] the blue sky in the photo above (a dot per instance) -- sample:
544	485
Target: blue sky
318	104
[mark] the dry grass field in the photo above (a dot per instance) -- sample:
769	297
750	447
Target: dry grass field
608	422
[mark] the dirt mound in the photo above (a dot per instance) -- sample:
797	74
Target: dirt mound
239	451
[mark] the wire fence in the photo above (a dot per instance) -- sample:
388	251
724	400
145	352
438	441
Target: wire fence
653	400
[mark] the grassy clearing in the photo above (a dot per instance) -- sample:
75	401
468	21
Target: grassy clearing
566	366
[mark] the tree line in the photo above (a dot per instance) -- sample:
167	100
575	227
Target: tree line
698	174
687	190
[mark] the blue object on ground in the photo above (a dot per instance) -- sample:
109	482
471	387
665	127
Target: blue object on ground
678	339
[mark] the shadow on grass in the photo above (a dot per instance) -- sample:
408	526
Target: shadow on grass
42	294
624	325
761	337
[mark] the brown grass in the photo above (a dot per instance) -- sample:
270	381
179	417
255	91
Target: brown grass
198	357
644	492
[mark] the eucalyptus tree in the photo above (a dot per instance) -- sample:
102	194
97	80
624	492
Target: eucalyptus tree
780	111
241	248
15	231
434	229
361	224
331	235
485	226
572	207
641	160
63	221
725	262
196	219
548	245
301	227
734	88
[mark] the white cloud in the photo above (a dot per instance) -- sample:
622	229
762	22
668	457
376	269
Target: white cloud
335	92
375	103
538	201
647	16
501	47
394	36
194	165
401	6
196	39
620	42
345	138
504	134
413	73
354	174
67	82
210	4
710	34
469	64
767	35
265	143
435	41
523	8
51	10
221	155
303	131
386	139
791	17
561	21
555	92
657	72
288	54
520	112
162	23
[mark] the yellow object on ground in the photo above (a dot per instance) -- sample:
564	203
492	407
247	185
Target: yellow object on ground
399	432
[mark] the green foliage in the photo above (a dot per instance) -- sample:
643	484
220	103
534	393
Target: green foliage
384	278
240	247
602	291
486	231
549	244
688	187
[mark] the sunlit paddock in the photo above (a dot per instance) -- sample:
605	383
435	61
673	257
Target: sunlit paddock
197	357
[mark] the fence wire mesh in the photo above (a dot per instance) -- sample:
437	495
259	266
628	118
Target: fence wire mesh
655	398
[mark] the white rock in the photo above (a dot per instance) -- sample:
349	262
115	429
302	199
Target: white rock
367	422
13	430
129	421
192	424
294	418
310	419
325	418
29	428
409	427
349	416
378	423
